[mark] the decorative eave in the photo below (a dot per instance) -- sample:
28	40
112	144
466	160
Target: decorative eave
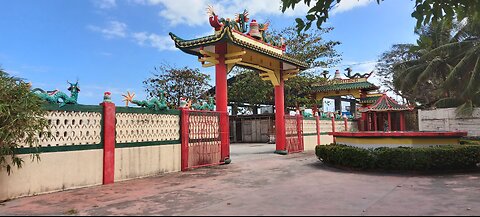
386	104
345	84
227	34
369	99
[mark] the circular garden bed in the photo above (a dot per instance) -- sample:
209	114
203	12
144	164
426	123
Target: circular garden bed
442	158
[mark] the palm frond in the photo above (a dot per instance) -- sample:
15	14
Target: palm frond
459	69
450	102
474	83
465	110
411	75
448	49
430	70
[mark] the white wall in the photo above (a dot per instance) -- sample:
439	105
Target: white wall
446	120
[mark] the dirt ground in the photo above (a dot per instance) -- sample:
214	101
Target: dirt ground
258	182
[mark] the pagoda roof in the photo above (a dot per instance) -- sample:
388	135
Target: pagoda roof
344	84
193	46
369	99
386	104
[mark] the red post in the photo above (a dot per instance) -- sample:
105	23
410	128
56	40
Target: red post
345	123
281	136
402	121
222	99
375	124
299	132
389	122
184	137
108	142
317	123
333	127
362	124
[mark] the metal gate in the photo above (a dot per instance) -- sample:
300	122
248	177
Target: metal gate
294	133
201	139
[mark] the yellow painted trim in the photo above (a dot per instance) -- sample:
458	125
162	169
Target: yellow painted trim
270	73
233	61
291	71
397	141
206	65
204	52
354	93
234	54
208	59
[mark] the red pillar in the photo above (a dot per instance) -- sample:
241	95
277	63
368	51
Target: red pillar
317	122
108	142
362	124
184	138
402	121
281	136
389	121
221	100
345	123
375	122
333	127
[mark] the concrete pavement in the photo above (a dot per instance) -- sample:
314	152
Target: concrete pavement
258	182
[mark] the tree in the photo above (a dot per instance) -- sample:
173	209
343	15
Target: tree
426	11
177	82
309	47
445	67
21	120
386	70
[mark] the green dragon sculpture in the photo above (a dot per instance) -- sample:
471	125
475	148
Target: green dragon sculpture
159	104
203	105
58	97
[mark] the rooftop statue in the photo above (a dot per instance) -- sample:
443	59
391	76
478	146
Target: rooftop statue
257	31
58	97
157	104
356	75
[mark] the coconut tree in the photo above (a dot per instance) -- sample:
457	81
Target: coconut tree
448	67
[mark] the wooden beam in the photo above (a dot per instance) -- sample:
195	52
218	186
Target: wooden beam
234	54
233	61
208	53
271	74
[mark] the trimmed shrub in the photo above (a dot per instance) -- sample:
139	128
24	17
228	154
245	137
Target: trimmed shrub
458	157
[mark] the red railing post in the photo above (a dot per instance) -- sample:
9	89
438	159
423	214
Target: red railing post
225	138
333	126
345	123
317	120
184	137
299	132
108	142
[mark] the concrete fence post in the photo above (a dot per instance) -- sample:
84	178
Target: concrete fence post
108	141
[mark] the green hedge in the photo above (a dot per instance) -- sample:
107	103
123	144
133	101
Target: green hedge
459	157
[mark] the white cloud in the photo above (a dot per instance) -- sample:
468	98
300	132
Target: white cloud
105	4
193	12
346	5
154	40
114	29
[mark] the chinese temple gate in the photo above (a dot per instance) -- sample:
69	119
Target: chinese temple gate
232	45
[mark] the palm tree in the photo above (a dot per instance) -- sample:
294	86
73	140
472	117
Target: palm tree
448	69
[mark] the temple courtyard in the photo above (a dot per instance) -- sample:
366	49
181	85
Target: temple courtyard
258	182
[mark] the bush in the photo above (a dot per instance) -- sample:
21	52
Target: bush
459	157
21	119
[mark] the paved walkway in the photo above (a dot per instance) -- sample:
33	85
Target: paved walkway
261	183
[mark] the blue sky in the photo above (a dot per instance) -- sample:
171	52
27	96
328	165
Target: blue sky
113	45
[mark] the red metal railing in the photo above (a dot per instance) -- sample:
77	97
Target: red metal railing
201	138
294	133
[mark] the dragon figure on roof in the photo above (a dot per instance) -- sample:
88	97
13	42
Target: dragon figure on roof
257	31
